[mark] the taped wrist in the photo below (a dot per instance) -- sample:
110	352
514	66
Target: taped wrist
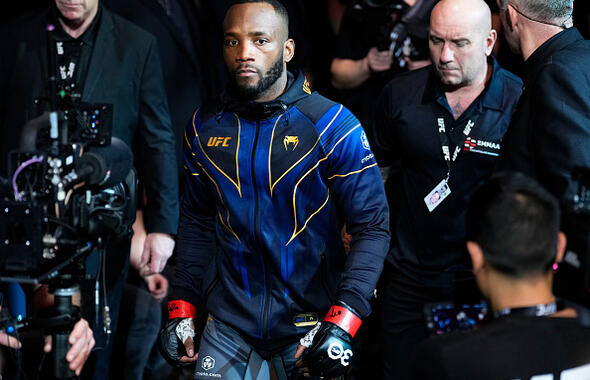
345	318
181	309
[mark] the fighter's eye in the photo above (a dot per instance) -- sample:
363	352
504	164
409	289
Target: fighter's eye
231	42
261	41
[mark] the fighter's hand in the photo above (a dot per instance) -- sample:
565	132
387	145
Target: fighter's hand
157	249
326	349
379	60
82	341
176	340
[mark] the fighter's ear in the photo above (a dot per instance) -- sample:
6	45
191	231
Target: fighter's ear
288	50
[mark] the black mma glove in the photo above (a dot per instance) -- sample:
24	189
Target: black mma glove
176	340
329	351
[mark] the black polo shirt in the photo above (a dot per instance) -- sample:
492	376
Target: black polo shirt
73	54
429	246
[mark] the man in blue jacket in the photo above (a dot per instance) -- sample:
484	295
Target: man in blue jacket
272	177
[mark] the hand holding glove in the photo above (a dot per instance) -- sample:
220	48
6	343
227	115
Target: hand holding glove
326	349
176	341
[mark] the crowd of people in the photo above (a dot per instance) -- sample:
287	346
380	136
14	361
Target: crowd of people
320	186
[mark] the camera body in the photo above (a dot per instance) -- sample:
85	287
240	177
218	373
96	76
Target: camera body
405	33
75	189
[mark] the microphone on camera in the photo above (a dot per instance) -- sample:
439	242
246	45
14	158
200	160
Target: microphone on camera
105	165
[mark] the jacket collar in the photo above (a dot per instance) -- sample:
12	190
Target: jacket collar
297	89
492	96
547	49
104	42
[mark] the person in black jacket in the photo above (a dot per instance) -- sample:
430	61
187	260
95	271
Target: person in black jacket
550	131
514	241
114	62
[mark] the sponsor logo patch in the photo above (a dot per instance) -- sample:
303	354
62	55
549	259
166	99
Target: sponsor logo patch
336	352
291	142
365	140
481	146
216	141
208	363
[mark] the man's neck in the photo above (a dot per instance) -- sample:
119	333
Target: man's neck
535	36
460	98
75	28
511	293
274	91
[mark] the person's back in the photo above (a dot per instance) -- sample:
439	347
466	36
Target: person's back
514	241
512	347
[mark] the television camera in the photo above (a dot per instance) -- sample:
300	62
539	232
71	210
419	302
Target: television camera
406	32
71	188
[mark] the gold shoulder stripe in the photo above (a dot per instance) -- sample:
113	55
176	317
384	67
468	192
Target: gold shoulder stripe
295	232
354	172
235	183
272	185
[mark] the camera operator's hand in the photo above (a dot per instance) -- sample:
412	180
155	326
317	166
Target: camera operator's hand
158	286
8	340
157	249
326	349
82	341
379	60
177	339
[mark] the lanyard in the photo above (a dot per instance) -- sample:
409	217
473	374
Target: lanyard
446	143
539	310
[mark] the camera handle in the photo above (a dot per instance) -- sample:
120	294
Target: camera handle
59	321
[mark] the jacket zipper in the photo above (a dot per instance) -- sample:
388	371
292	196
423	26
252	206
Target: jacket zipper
256	233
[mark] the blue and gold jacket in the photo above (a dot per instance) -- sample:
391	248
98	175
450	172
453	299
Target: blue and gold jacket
269	187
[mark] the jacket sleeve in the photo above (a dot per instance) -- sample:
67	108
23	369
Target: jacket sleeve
156	147
196	231
356	185
560	128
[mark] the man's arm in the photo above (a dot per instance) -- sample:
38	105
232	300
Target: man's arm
350	73
196	248
196	232
560	128
356	186
157	165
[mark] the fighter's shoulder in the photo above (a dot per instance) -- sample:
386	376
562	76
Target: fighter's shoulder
315	106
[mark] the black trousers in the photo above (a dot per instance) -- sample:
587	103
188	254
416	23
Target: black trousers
403	321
